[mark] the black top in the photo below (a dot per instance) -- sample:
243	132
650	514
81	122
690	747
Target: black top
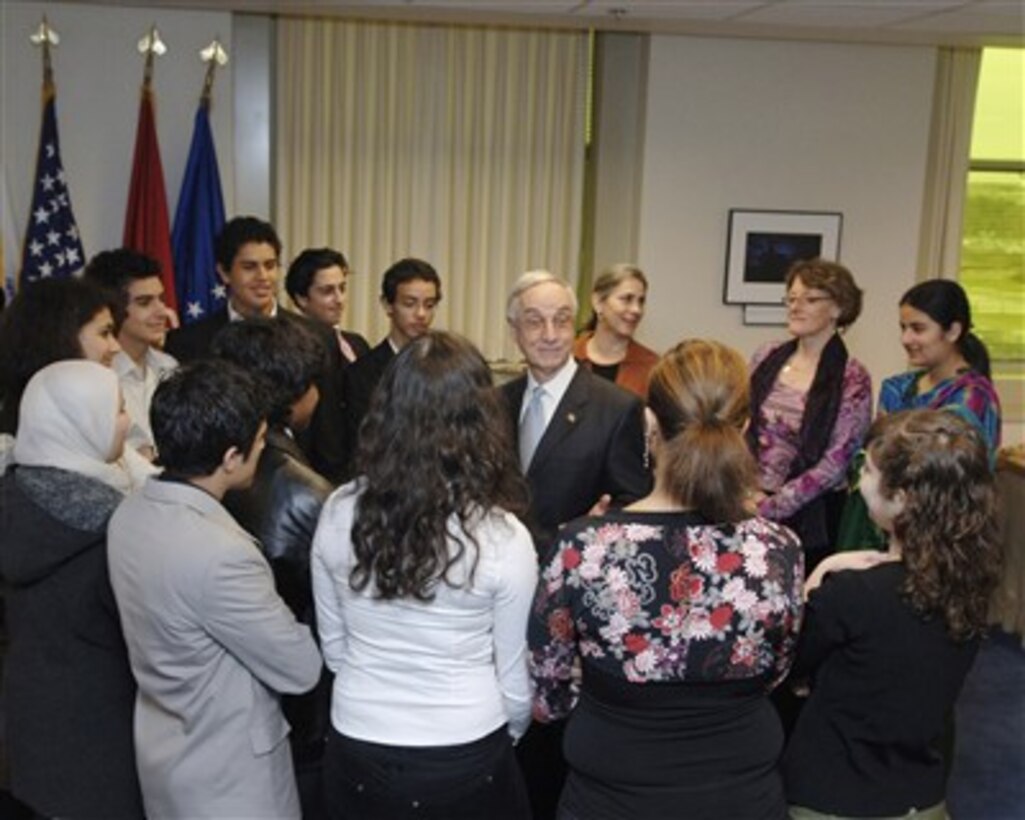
69	689
606	371
884	679
680	626
358	382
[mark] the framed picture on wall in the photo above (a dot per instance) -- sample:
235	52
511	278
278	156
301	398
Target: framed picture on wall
762	245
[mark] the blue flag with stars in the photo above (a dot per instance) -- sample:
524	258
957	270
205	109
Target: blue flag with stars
52	245
198	219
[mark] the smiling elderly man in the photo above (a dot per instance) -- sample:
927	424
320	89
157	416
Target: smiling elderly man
581	440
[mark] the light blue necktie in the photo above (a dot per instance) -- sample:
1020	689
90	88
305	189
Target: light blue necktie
532	426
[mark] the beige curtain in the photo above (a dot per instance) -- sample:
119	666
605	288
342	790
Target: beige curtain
950	141
462	146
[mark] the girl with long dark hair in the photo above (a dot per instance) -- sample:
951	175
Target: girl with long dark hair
950	364
422	578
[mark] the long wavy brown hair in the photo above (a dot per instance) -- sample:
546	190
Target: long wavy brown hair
434	446
948	526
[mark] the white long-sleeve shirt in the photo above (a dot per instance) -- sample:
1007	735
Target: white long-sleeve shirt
436	673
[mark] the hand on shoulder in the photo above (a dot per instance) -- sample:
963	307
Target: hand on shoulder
857	560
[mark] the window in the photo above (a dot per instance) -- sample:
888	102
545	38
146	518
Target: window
993	245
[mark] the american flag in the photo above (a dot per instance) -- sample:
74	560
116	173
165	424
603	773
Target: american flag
52	245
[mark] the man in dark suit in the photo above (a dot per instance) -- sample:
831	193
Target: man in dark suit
248	254
590	439
317	282
410	293
581	439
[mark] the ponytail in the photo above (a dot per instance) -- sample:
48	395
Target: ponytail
975	353
709	467
698	393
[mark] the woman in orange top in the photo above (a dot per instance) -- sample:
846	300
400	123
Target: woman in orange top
607	346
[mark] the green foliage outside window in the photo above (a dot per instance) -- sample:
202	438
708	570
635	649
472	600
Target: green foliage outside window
993	249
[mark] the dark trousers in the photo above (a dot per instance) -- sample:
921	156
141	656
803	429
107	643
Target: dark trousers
471	781
544	768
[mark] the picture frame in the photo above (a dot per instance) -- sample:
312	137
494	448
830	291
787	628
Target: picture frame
762	245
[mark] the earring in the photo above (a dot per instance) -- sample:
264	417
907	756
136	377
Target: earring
647	448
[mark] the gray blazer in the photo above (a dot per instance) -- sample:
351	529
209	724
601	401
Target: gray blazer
211	645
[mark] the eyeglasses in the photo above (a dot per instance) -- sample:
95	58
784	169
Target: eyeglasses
535	323
794	301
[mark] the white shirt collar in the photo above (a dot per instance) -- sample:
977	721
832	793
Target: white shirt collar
235	316
555	388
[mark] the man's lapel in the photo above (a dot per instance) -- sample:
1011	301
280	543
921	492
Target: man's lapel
567	417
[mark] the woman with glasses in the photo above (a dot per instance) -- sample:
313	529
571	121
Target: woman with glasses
811	404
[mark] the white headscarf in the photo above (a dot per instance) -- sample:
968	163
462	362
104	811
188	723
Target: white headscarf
67	419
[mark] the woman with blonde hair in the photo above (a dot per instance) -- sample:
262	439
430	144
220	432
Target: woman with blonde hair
682	610
889	641
607	346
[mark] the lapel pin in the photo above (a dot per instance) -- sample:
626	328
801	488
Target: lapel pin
571	418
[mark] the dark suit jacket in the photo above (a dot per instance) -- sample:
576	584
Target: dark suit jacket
325	439
190	342
358	382
593	445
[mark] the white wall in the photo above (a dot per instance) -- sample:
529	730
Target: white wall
789	126
98	73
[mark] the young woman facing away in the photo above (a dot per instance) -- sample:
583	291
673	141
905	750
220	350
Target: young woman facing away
889	637
422	579
682	611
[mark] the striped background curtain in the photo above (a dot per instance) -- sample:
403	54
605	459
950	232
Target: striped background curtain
463	146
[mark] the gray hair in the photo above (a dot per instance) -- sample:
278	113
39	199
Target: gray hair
531	279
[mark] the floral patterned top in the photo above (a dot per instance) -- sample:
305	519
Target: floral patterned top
665	597
779	436
970	394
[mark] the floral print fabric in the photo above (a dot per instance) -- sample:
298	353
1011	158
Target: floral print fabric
665	597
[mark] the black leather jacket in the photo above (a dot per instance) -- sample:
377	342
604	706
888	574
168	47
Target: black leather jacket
281	509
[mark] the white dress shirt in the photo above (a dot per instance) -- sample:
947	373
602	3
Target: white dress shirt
555	389
435	673
138	383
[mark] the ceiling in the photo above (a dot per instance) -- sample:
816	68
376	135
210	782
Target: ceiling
951	22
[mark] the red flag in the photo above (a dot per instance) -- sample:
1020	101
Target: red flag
147	227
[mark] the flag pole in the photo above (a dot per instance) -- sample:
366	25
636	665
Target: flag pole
52	245
200	213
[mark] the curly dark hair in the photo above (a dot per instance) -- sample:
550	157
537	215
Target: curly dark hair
434	446
947	529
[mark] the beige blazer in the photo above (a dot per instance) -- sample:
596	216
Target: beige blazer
211	645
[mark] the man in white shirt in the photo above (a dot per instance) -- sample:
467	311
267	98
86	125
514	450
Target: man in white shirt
142	319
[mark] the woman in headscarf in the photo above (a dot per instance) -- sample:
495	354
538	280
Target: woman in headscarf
69	688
